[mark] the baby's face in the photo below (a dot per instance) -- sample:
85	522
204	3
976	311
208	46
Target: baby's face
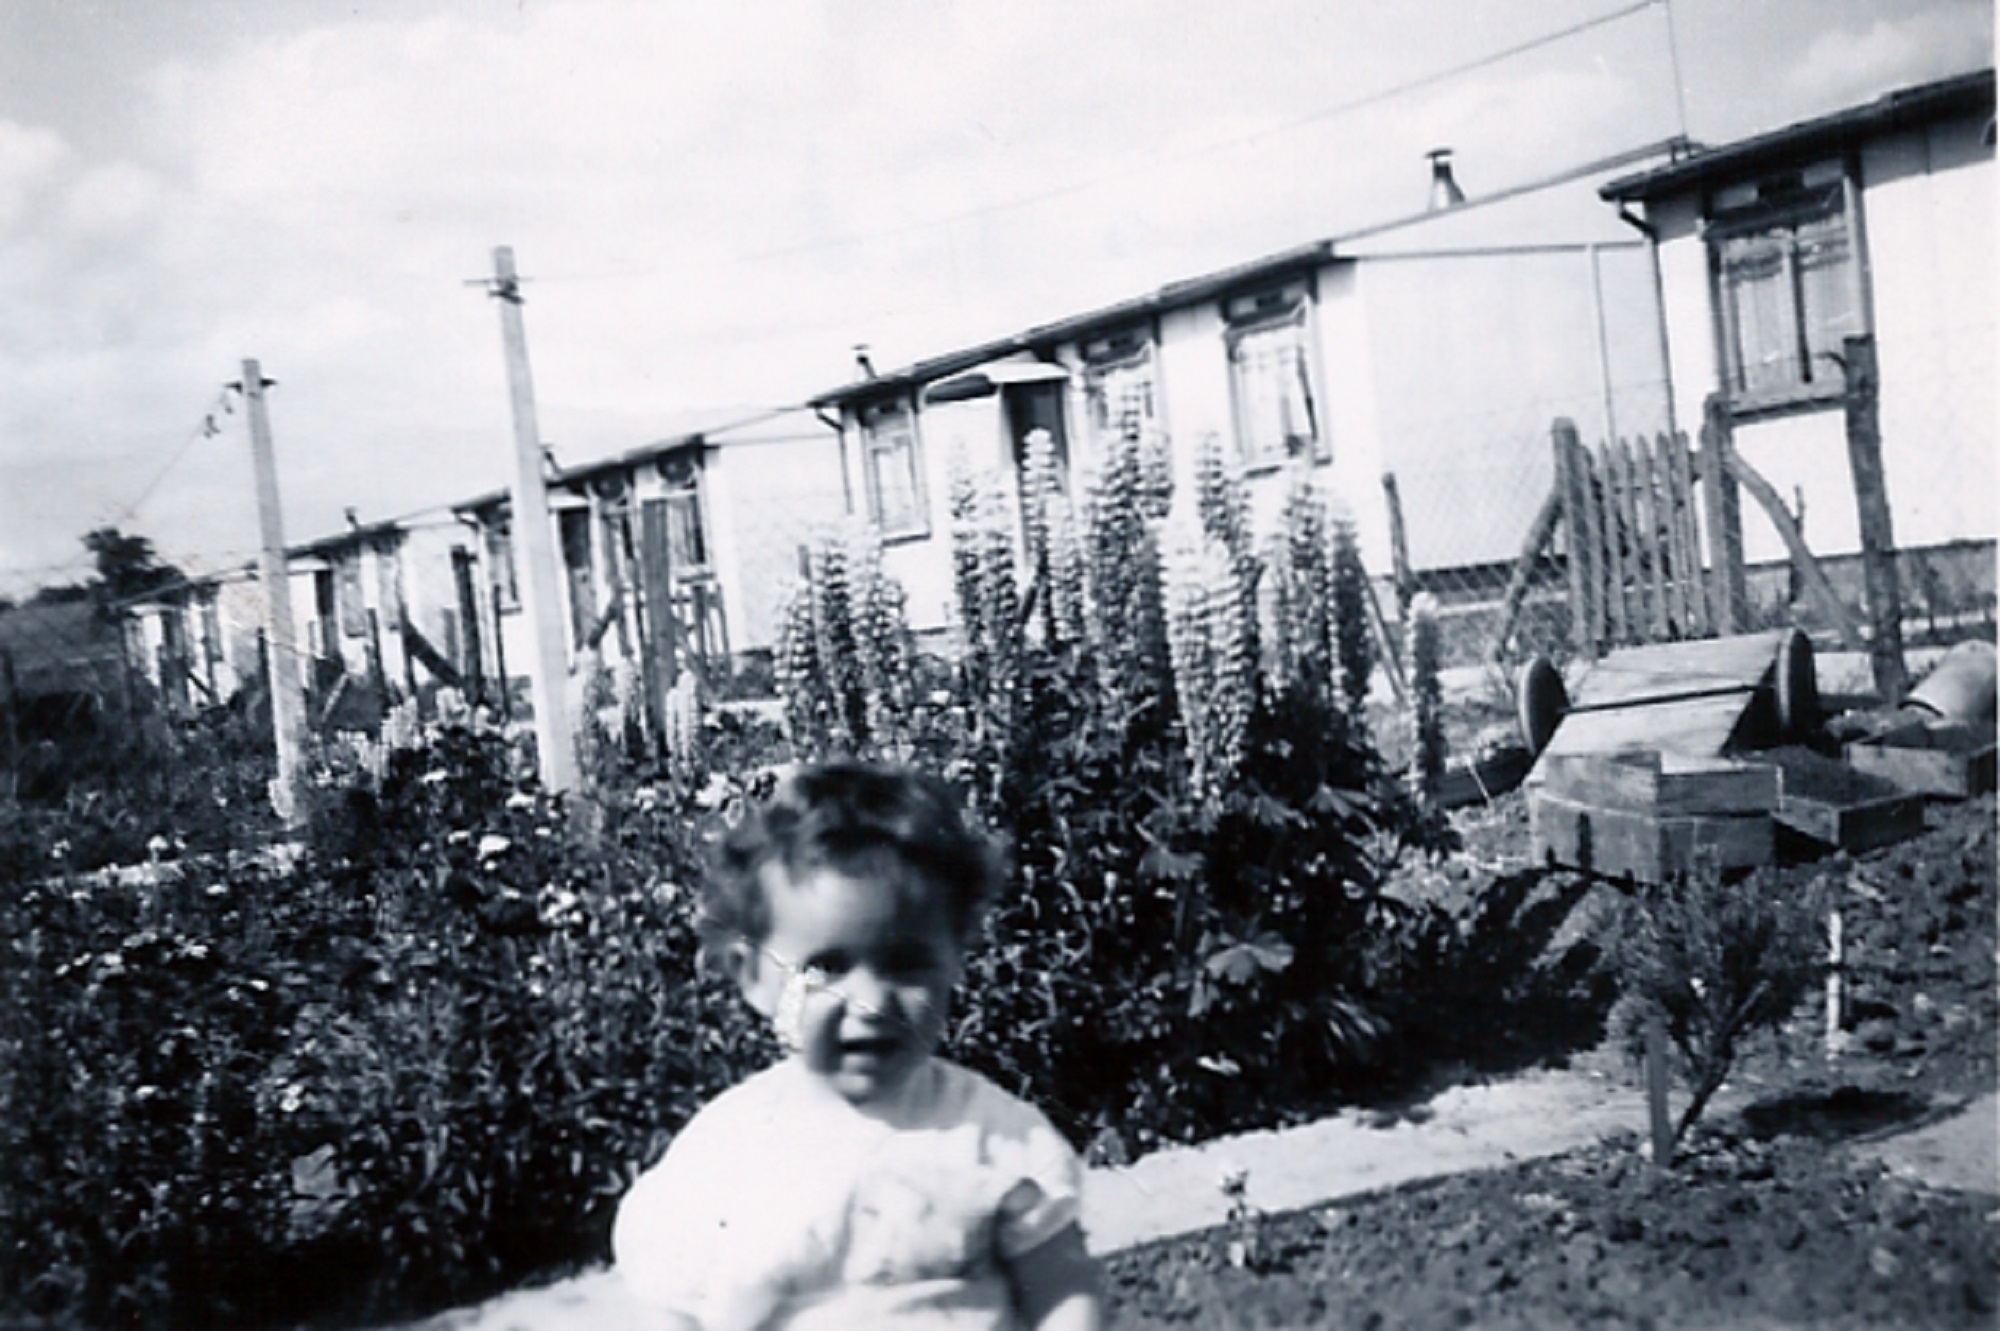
858	977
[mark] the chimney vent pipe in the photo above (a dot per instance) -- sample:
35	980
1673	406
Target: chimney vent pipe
1445	192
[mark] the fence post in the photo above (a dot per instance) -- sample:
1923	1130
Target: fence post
1724	510
1871	497
1573	491
1399	547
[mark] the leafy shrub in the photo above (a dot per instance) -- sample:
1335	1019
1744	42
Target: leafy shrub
417	1066
1196	939
1721	959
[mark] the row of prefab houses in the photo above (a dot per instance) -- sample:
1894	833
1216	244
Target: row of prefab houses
1437	350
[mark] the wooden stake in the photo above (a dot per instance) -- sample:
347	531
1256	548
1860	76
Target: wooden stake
1657	1072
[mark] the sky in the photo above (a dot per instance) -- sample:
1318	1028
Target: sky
714	202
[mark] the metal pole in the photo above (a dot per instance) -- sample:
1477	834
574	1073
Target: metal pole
281	655
534	545
1603	345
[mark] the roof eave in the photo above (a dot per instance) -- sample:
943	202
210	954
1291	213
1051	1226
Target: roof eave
1045	337
1902	109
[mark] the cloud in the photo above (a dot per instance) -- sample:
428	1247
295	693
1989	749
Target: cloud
1847	65
29	157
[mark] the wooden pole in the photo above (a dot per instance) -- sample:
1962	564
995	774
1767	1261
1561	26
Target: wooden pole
534	546
1573	487
281	652
1729	594
1611	524
1871	497
471	663
1816	581
1540	532
1399	547
1657	1073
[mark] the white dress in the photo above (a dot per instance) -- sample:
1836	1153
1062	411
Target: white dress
781	1205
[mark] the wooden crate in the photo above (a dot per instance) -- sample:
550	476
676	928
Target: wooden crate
1625	843
1652	816
1813	825
1944	759
1664	785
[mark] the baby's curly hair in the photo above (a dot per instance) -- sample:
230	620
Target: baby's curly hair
868	820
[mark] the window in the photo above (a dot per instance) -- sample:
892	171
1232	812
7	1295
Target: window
1788	286
1120	389
687	538
500	561
892	468
1270	377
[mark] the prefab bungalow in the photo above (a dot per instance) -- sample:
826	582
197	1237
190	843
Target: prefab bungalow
380	615
1434	352
673	556
1876	221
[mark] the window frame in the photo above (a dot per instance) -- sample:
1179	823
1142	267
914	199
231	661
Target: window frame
878	443
684	488
1129	351
1252	315
1778	207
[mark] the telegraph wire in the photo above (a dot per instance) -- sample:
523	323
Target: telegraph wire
207	428
1224	145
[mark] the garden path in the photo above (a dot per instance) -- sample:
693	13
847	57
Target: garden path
1178	1191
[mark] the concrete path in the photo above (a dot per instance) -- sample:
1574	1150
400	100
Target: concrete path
1179	1191
1961	1151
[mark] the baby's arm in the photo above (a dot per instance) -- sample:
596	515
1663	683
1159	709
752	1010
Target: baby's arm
1056	1286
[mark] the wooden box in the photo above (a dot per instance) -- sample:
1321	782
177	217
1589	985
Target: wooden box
1810	824
1623	843
1652	817
1665	785
1945	759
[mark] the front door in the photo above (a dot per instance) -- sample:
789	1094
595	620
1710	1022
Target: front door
1038	406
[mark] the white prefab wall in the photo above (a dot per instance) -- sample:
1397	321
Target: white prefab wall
1927	212
1474	358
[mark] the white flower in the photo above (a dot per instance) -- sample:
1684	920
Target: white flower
217	889
520	799
59	850
493	844
434	777
157	845
291	1098
458	836
645	797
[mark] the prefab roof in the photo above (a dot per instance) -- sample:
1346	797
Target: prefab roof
1044	338
1906	108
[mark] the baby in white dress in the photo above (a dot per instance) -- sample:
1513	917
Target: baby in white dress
863	1181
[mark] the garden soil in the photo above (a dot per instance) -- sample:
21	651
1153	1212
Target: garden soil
1851	1188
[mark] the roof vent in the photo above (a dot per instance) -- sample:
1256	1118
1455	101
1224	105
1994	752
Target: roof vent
864	368
1445	192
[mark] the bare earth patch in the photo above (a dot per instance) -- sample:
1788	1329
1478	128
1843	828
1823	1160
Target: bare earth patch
1786	1212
